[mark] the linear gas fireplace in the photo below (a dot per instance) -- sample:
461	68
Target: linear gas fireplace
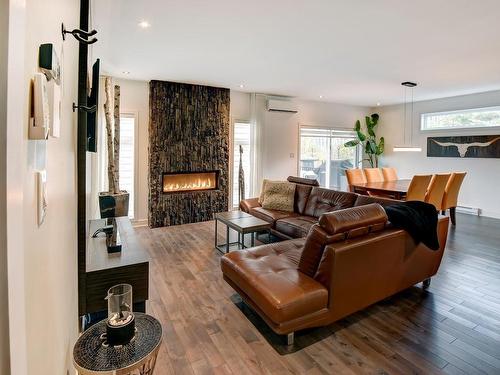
190	181
188	153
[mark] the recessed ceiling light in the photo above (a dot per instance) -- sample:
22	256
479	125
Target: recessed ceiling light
378	104
144	24
321	96
242	86
126	72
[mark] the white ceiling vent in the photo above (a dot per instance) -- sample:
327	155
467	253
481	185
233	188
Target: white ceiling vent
275	105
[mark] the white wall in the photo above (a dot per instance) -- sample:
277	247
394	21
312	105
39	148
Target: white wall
42	260
281	131
4	307
480	188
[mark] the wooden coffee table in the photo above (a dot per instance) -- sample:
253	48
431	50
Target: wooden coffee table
242	223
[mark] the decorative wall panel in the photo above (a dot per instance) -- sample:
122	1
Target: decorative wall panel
470	146
188	132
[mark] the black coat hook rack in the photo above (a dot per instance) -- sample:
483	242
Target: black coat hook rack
79	35
83	108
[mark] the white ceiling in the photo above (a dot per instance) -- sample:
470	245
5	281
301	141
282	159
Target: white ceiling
348	51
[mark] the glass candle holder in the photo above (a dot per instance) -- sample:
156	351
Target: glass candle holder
120	324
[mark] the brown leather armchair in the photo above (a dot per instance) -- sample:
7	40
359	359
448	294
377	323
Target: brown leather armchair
349	260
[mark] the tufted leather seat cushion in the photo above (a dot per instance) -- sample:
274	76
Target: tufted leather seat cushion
325	200
268	275
270	215
297	226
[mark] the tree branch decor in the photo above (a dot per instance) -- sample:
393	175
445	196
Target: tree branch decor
111	141
114	202
371	147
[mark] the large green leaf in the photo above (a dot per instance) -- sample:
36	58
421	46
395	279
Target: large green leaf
352	143
372	145
374	119
357	127
371	131
381	146
368	122
368	148
361	136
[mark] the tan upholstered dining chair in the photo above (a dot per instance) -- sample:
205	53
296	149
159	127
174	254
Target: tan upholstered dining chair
373	175
435	192
355	176
450	197
418	187
390	174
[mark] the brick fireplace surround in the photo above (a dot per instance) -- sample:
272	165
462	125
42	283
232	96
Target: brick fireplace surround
188	136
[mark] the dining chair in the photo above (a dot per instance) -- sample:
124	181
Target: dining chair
355	176
435	192
450	197
373	175
390	174
418	187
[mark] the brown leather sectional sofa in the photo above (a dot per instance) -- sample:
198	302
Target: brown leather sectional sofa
311	201
348	258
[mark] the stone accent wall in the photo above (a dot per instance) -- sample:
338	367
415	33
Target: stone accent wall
188	131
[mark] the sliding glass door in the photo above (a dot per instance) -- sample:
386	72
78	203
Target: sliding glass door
324	157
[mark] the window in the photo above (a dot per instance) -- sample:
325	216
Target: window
467	118
324	157
242	136
127	158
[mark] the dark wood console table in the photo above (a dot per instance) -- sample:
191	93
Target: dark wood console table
104	270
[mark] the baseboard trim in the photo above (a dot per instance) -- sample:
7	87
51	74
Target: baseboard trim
469	210
139	222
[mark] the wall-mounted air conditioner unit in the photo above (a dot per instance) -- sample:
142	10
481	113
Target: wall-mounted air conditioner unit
276	105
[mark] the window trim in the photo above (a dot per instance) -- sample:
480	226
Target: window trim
457	111
135	116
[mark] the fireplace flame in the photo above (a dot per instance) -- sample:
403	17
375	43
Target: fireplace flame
188	182
206	184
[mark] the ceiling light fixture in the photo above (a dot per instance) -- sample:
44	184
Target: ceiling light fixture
407	147
378	104
144	24
242	86
321	96
126	72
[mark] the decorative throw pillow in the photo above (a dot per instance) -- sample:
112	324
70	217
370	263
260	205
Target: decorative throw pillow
262	190
278	195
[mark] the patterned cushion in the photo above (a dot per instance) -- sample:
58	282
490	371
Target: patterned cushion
278	195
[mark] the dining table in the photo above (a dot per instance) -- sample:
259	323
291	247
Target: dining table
396	189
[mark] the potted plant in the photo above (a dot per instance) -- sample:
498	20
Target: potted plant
113	202
371	147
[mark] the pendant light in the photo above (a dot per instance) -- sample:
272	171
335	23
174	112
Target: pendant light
408	147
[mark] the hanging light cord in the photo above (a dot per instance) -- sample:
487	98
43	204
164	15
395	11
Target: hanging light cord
411	129
405	119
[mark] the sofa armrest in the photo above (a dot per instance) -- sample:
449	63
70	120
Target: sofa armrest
247	204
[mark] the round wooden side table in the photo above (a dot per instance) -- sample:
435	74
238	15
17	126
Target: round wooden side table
92	356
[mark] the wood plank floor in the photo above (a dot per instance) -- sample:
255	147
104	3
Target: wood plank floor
454	328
